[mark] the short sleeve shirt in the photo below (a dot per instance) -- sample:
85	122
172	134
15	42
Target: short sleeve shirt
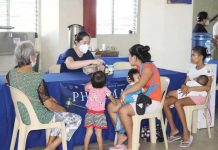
194	73
71	53
96	97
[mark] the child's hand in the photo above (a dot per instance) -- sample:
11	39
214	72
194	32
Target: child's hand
116	102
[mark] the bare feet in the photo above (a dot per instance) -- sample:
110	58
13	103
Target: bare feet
186	137
121	139
174	132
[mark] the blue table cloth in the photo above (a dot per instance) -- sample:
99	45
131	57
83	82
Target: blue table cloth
69	86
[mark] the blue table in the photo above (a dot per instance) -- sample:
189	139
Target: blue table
59	86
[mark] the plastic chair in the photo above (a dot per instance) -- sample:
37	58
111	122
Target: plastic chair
191	112
54	69
122	66
18	96
152	118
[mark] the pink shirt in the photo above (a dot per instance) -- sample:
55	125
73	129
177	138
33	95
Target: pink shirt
97	97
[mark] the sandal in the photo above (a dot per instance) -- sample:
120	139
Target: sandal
185	144
175	137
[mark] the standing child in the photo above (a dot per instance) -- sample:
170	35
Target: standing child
95	117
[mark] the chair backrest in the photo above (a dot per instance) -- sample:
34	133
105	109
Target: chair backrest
19	96
122	66
54	69
165	81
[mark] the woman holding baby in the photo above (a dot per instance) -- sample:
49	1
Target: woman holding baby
192	92
140	58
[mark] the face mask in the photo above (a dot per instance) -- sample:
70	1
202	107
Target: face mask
33	64
84	48
207	22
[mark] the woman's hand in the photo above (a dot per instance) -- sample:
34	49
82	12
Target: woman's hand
128	79
184	89
98	62
123	95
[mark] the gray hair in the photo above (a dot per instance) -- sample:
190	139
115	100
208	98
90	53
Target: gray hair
23	51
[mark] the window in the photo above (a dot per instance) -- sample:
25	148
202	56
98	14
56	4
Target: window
117	16
20	14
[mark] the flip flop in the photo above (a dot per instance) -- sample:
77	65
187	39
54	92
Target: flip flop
184	144
174	137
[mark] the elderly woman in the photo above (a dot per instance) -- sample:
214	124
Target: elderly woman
74	59
33	85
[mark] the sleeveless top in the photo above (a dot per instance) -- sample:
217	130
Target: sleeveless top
156	94
29	83
71	53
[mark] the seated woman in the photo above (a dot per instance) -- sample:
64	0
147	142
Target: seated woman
73	60
140	57
33	85
192	92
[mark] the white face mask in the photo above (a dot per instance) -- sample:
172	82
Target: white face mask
84	48
207	22
33	64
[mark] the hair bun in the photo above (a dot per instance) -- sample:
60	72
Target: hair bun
146	48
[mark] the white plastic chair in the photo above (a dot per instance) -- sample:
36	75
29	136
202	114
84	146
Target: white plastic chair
122	66
152	120
54	69
19	96
191	112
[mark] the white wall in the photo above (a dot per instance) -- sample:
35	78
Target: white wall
56	15
71	12
167	29
122	43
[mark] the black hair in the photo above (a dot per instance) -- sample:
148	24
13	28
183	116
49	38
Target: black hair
201	51
201	16
131	73
203	80
141	52
99	79
81	35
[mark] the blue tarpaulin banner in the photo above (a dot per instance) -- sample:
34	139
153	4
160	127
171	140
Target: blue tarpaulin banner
180	1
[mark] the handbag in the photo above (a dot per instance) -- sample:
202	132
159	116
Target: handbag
143	100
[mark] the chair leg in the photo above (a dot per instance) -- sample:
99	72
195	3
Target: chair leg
207	122
166	122
194	121
152	126
164	132
135	133
22	138
64	137
188	114
115	139
47	133
14	135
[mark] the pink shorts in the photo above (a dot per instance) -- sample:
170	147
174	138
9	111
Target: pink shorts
198	100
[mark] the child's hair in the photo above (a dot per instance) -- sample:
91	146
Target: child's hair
98	79
203	80
131	73
201	51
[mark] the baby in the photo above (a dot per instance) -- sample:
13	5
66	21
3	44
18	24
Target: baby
202	80
134	76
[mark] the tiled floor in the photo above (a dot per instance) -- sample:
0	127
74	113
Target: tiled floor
201	142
